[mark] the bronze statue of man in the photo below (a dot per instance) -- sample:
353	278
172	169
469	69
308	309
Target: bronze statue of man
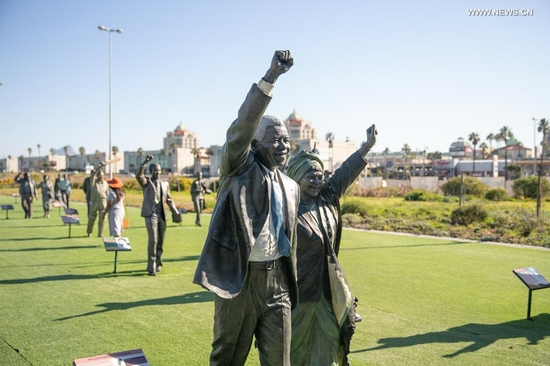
198	189
249	257
27	191
156	194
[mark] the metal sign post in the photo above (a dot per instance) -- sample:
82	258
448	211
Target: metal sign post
533	280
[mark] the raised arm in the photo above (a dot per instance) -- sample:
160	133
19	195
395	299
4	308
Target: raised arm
344	176
140	176
241	132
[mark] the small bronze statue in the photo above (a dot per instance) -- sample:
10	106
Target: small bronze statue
156	194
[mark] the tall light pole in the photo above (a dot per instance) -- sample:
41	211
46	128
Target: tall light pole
110	140
534	145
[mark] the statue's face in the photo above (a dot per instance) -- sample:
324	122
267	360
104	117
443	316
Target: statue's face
46	178
273	149
199	175
100	175
311	183
154	169
26	176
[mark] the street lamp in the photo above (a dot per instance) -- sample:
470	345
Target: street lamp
110	141
534	145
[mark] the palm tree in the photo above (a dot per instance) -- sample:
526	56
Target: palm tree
330	138
164	152
38	147
52	153
544	128
474	139
97	155
491	137
483	148
30	152
139	156
406	150
115	150
433	156
504	135
174	148
21	161
82	151
197	155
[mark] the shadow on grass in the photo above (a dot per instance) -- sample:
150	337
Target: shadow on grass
32	239
49	248
193	297
184	258
479	335
404	246
66	277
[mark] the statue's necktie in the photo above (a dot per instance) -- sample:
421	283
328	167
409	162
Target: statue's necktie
278	217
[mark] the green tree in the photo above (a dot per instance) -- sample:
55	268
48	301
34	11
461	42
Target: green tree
329	137
472	187
527	187
491	137
504	135
140	153
544	128
82	151
474	139
483	148
406	150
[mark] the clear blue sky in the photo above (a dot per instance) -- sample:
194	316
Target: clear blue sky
424	71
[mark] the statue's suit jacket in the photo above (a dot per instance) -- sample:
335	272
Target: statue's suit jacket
242	208
149	191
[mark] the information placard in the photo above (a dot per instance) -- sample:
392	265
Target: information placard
117	244
71	211
70	220
7	208
134	357
531	278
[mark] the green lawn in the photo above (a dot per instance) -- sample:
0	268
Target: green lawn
424	301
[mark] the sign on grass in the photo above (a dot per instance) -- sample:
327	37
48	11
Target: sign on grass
134	357
117	244
70	220
531	278
71	211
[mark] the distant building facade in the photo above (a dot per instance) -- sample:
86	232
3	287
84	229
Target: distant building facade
182	138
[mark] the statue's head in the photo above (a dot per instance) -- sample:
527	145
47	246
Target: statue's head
271	142
199	175
154	170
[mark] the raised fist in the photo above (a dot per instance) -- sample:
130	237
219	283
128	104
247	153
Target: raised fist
282	61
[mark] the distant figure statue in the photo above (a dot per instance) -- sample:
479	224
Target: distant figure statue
156	194
27	191
87	191
65	189
198	189
56	188
48	194
99	190
249	257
